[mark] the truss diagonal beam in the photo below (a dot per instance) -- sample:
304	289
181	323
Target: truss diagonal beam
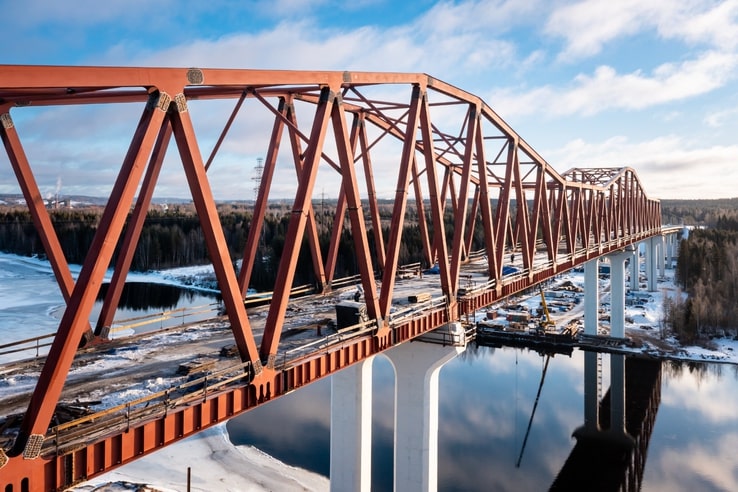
76	316
194	168
133	231
296	228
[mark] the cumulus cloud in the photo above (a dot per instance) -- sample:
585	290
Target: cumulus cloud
587	26
606	89
668	167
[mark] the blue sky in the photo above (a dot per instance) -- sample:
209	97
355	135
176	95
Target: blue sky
647	84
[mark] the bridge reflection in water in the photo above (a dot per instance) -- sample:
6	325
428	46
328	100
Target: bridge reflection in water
611	448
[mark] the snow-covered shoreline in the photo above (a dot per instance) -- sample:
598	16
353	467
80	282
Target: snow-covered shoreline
215	463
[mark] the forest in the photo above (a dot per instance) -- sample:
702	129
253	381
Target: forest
172	237
707	267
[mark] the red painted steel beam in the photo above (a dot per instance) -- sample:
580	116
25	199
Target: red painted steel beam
226	128
502	215
420	209
336	230
339	216
133	231
345	148
75	320
474	211
436	206
296	228
202	197
400	203
311	226
457	242
490	244
371	191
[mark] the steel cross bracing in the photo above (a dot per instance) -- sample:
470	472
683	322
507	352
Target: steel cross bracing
475	185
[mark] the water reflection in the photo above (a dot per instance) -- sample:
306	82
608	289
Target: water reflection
146	296
684	424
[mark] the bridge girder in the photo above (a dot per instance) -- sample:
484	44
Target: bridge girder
359	130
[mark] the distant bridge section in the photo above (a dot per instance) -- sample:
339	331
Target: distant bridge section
455	169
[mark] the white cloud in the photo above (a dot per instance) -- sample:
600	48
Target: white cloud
720	118
668	167
588	25
605	89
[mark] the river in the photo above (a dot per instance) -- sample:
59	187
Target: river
486	400
487	396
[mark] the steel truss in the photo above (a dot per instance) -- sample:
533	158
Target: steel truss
475	183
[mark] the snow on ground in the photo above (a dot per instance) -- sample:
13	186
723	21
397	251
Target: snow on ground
215	464
643	324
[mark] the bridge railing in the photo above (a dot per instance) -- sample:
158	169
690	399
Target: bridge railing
128	414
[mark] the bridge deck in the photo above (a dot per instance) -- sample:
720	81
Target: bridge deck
150	366
108	374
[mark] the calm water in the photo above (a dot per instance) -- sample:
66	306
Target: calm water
487	396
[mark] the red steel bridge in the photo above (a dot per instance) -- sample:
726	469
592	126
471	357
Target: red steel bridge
450	159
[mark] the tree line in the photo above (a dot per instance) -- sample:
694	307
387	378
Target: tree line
172	237
707	270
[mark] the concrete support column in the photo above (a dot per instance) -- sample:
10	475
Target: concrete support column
652	263
635	269
670	248
617	293
661	256
591	297
416	413
351	428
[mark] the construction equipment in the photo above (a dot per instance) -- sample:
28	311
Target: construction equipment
545	322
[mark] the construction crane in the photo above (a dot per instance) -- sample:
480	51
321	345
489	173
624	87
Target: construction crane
546	322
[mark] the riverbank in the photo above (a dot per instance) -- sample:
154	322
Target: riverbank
215	464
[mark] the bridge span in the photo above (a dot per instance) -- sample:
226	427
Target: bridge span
482	199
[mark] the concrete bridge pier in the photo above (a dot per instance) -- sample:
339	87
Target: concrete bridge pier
652	263
417	366
351	428
635	267
661	246
670	249
617	292
591	297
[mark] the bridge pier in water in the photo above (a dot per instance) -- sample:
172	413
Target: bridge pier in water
416	366
351	428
